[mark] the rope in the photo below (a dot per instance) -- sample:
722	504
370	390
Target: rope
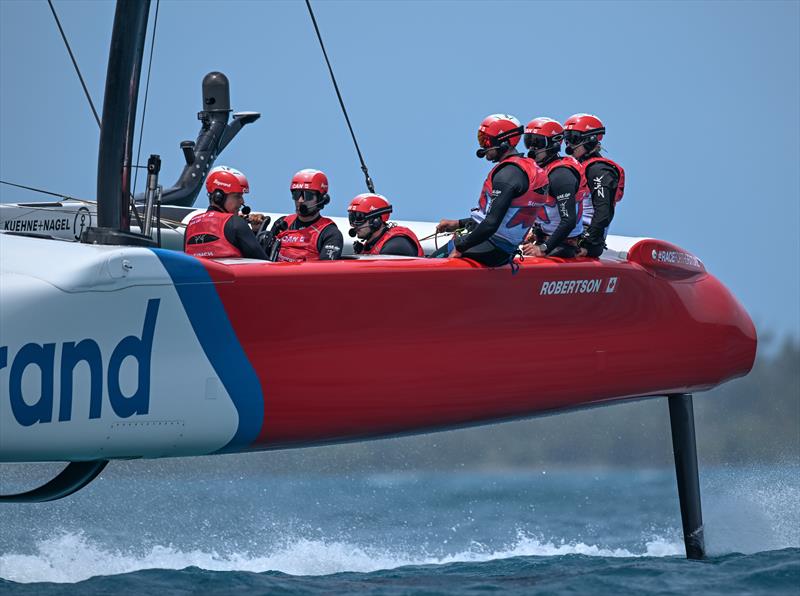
46	192
370	185
94	110
436	235
144	107
171	223
74	63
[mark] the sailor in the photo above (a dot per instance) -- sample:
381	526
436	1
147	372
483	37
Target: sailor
605	179
512	193
306	235
368	215
558	223
220	231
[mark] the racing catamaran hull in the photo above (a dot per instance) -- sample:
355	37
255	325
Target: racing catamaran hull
109	352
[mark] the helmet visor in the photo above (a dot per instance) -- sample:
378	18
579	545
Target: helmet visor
573	137
356	218
534	141
306	195
484	140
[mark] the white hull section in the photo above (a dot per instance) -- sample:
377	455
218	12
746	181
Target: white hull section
72	387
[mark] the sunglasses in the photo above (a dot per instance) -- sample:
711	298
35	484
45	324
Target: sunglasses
306	195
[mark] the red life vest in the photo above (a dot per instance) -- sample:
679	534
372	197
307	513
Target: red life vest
301	245
548	216
521	215
211	224
616	166
394	232
573	164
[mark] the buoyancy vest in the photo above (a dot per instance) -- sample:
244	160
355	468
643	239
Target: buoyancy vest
394	232
212	225
548	216
301	245
588	207
521	214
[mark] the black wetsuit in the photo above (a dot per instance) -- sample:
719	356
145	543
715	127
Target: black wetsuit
329	242
602	179
508	183
237	231
564	183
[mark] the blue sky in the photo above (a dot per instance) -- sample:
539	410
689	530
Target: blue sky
700	100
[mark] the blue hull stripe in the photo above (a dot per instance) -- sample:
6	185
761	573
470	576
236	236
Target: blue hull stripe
207	315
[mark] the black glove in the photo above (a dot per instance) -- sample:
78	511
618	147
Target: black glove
586	241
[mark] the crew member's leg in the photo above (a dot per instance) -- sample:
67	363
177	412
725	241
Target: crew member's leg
487	254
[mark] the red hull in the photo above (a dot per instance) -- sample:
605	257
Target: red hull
408	345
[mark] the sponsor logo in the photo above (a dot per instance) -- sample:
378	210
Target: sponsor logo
44	361
83	220
298	238
38	225
572	286
598	186
611	286
675	257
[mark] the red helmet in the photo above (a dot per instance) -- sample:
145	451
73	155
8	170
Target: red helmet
499	128
581	127
543	132
367	206
310	180
227	180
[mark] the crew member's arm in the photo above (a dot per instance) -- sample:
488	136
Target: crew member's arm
279	225
451	225
330	243
602	179
564	184
399	245
508	183
238	233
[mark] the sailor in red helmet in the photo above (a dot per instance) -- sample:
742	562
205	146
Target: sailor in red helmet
605	178
306	235
558	224
512	193
220	231
368	215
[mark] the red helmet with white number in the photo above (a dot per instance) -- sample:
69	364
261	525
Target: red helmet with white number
310	180
367	206
498	129
227	180
582	128
542	132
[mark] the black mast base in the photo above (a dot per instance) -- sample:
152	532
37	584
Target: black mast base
116	237
684	447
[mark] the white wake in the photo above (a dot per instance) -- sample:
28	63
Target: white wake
72	557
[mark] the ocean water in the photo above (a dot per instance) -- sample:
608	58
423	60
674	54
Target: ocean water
182	530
